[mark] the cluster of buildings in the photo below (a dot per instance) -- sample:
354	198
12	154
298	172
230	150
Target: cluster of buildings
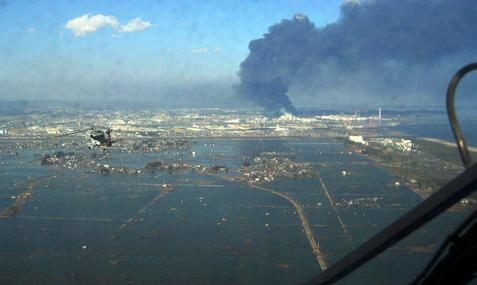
181	123
404	145
268	167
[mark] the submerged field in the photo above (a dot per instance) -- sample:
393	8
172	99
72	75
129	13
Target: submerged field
83	227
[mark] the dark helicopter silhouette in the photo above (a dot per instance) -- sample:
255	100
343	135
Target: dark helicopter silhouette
97	137
100	138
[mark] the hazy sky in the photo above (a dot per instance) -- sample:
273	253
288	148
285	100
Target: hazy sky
269	53
135	49
378	52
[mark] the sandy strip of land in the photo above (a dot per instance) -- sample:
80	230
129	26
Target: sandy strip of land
447	143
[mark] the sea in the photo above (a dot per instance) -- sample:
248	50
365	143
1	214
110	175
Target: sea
439	128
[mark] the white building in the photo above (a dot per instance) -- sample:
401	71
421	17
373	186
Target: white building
401	144
357	139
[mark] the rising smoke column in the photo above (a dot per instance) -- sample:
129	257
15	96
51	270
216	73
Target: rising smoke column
377	51
264	75
271	94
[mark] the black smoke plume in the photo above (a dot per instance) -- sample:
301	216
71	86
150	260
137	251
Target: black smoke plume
270	94
379	51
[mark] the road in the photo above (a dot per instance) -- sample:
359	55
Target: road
333	205
320	257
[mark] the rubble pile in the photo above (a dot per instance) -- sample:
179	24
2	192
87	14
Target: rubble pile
68	160
106	169
180	166
367	202
171	167
153	145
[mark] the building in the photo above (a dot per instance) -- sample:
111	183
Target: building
52	131
357	139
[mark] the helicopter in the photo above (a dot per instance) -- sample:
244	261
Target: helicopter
97	137
100	138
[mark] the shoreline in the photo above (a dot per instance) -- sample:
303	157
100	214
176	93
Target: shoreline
446	143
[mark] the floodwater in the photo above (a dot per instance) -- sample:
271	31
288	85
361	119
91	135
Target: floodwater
83	228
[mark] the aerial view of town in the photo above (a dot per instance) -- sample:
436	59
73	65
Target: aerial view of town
238	142
230	189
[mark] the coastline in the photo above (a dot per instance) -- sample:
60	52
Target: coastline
446	143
